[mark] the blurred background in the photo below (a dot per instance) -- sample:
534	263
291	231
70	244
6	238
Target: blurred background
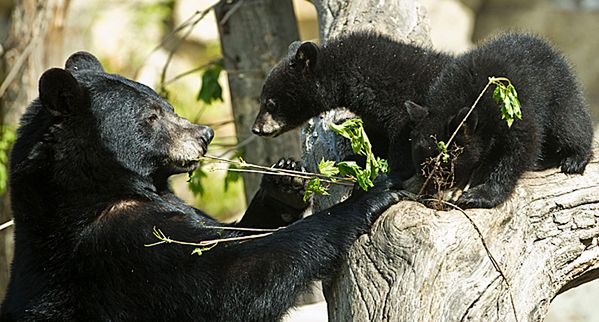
173	46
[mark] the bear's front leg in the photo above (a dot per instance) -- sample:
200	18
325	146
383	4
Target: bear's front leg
496	178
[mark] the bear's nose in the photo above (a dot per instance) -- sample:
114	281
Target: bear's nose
207	133
256	129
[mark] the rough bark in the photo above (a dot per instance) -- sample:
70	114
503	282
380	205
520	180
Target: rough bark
33	44
418	264
254	36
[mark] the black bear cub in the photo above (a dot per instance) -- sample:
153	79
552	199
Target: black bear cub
89	174
369	74
555	127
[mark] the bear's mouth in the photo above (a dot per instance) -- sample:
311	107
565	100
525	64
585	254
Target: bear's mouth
182	166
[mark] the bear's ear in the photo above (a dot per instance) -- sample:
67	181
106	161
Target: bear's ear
83	61
59	91
415	112
307	56
469	126
292	50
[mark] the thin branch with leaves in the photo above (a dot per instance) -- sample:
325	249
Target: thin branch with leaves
504	95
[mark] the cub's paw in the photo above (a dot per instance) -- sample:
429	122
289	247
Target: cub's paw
574	164
286	189
479	197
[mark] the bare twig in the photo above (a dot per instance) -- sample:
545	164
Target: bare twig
231	12
189	72
166	240
7	224
239	145
10	77
242	228
171	53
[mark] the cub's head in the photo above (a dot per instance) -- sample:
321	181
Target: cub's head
431	127
88	121
292	92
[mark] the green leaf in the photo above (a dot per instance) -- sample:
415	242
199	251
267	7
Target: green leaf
507	98
195	181
383	165
327	168
314	187
211	90
8	136
353	130
201	250
442	148
232	176
349	168
353	170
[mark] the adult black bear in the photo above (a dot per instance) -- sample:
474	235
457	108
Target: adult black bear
370	74
555	127
89	176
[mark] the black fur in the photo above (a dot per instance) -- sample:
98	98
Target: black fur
89	176
370	74
555	127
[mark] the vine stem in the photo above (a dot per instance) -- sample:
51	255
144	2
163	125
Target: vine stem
278	171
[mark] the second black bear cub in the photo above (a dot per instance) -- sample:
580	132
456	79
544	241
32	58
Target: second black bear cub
555	128
369	74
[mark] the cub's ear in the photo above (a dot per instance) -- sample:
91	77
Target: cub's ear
60	92
307	56
415	112
469	126
83	61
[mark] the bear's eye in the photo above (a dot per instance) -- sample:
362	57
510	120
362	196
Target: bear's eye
152	118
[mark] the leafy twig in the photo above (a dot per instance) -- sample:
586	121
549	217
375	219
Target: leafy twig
274	173
505	95
279	171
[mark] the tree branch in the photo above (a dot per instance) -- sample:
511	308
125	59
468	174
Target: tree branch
421	264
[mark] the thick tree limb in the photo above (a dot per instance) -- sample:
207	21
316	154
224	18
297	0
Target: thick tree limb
418	264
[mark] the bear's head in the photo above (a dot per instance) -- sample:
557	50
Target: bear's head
88	124
429	128
292	92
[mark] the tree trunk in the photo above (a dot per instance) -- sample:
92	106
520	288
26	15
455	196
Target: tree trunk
34	43
254	36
